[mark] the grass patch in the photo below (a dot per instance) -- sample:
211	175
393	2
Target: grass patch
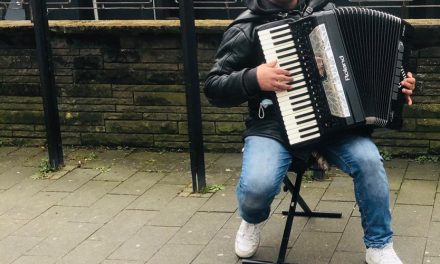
426	158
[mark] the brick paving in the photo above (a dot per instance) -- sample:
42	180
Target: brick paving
115	206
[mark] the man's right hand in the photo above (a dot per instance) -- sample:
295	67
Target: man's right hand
272	78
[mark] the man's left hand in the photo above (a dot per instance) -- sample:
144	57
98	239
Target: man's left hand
409	84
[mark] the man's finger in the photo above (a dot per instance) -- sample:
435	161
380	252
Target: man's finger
272	64
280	71
284	78
408	100
409	75
407	91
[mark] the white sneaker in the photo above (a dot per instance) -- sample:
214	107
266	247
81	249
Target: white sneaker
385	255
247	239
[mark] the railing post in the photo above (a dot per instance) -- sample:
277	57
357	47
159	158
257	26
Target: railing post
47	83
189	46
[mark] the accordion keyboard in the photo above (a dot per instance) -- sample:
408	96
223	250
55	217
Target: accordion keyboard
296	107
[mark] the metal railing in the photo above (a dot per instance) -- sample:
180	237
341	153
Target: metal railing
162	9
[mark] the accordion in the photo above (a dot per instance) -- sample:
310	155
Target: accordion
346	64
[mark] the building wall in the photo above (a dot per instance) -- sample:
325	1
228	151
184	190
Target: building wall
121	83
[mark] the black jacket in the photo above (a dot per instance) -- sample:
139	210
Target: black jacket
232	80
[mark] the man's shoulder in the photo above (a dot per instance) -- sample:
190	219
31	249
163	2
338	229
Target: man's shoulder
247	17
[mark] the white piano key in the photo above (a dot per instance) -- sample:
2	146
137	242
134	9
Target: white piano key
291	58
276	53
298	84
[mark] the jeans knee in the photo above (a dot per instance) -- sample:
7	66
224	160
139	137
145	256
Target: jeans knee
256	196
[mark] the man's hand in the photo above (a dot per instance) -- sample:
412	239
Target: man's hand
272	78
409	84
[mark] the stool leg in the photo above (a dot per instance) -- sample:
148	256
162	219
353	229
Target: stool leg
290	216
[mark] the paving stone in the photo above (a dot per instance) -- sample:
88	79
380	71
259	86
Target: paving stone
396	163
138	183
432	260
395	177
35	259
436	210
341	257
409	249
159	161
423	171
88	194
234	221
12	247
178	211
433	243
73	180
183	254
310	195
266	254
21	192
220	250
144	244
115	172
182	178
99	157
201	228
47	223
314	247
222	201
324	184
40	202
122	262
123	225
156	197
417	192
221	176
105	208
273	229
9	226
65	238
5	150
229	160
14	175
330	224
26	152
351	239
411	220
89	252
341	189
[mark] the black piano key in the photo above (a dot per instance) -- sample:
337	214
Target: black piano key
281	35
301	101
301	107
281	42
283	49
303	115
308	134
308	128
305	121
287	55
297	96
278	30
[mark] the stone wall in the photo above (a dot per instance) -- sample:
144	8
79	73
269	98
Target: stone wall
120	83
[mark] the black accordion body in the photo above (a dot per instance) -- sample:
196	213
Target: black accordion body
347	65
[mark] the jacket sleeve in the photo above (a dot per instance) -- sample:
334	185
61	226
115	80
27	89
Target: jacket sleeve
233	78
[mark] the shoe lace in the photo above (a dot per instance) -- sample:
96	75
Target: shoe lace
251	233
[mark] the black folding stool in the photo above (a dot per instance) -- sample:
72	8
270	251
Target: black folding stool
299	168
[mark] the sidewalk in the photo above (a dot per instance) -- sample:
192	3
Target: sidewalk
131	206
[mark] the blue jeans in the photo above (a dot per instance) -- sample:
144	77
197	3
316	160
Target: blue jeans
266	161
